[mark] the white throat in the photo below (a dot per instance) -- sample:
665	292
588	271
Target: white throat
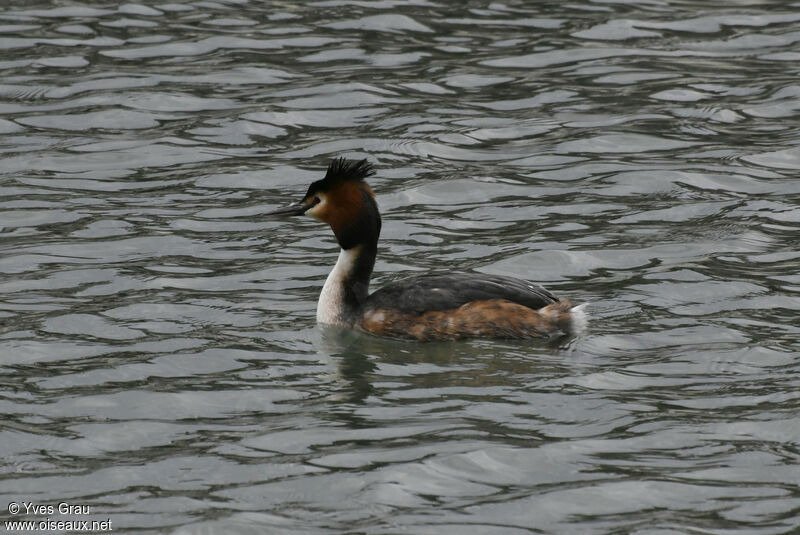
331	308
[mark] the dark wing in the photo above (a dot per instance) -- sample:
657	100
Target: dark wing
445	292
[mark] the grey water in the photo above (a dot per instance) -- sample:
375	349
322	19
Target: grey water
160	360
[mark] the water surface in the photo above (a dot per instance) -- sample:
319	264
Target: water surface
159	353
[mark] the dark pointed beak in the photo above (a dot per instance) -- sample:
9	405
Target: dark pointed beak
295	208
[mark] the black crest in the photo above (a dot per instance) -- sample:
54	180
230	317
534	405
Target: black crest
341	170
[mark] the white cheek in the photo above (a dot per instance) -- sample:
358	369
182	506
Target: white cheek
317	211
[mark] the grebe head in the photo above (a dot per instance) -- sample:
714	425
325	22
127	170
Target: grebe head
343	200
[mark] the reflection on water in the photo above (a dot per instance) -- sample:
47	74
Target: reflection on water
160	357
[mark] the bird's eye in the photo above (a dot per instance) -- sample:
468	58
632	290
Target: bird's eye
315	201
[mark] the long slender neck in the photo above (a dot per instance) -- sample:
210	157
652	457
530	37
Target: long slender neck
347	285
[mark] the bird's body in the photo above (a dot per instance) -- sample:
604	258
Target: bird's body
427	307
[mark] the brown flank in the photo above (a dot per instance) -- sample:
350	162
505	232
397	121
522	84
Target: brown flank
494	318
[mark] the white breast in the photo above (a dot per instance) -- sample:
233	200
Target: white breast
330	308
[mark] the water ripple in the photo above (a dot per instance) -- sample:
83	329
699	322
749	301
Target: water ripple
160	357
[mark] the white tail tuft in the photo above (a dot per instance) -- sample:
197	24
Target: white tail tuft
579	318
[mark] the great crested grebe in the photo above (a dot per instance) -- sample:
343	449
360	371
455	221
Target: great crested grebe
428	307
